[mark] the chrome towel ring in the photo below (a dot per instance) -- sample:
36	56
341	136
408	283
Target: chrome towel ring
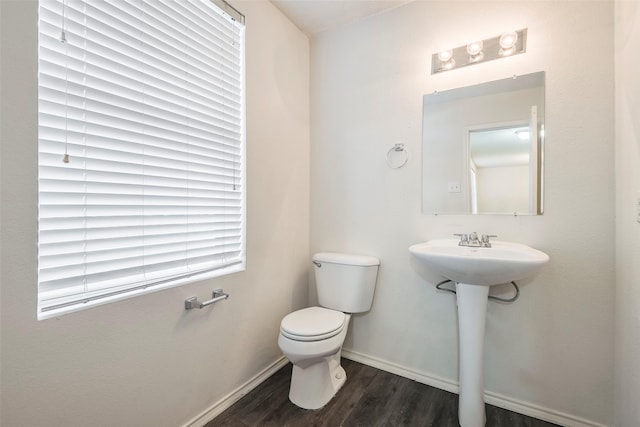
397	156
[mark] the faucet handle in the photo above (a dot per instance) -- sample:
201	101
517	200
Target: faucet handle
485	240
464	239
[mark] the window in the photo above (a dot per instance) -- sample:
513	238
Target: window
141	148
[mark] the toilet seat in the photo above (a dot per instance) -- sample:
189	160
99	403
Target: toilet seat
312	324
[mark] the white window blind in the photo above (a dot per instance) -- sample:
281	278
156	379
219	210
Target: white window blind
141	148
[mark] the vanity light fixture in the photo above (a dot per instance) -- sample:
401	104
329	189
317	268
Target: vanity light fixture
507	44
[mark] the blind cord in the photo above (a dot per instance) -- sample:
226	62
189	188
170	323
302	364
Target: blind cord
63	39
63	35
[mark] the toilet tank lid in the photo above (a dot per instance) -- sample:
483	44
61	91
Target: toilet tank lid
347	259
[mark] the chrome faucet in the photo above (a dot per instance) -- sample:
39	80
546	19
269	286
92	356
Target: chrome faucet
472	240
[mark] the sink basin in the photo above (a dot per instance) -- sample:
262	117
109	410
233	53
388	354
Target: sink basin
502	263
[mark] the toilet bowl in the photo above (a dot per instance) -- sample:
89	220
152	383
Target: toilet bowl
312	338
316	375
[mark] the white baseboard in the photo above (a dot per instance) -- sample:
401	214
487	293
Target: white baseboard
491	398
441	383
217	408
432	380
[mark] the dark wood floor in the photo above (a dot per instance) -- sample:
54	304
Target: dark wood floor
370	397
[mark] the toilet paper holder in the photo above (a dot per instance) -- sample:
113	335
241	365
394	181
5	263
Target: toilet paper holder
218	295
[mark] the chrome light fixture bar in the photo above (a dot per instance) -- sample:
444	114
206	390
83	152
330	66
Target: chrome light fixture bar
507	44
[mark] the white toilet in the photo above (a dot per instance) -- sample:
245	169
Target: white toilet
312	338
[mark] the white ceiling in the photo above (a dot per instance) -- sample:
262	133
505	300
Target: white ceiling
313	16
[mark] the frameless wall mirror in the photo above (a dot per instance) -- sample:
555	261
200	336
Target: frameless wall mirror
482	148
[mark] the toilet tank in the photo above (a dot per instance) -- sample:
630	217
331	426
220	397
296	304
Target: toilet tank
345	282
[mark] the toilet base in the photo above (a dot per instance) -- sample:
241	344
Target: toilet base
314	386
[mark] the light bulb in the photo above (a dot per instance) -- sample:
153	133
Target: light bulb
508	40
474	48
445	55
449	64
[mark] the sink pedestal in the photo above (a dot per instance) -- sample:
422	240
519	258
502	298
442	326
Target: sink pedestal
472	313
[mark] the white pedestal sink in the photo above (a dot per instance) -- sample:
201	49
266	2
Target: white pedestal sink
474	270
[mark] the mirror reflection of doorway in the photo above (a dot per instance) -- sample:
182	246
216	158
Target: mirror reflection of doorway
500	169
